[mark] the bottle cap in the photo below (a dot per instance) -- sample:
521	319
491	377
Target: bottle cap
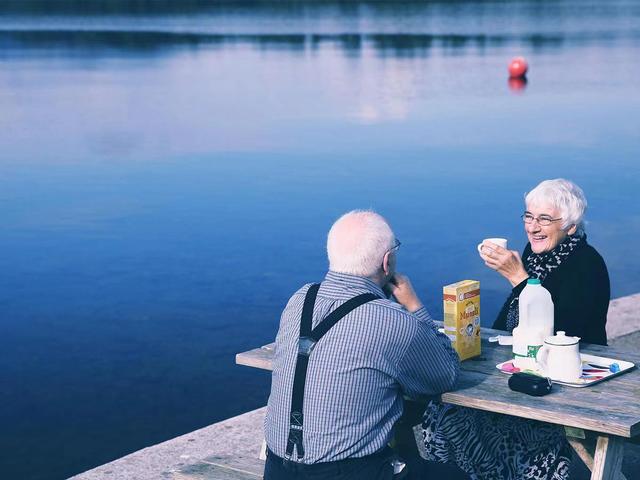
533	281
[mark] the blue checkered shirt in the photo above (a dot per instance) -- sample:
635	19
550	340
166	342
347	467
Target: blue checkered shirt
358	372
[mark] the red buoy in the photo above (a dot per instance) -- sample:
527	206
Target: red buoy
518	67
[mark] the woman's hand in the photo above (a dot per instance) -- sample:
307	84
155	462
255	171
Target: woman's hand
506	262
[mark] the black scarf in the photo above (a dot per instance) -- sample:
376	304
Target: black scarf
539	265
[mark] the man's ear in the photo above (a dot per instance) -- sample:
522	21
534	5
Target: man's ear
385	263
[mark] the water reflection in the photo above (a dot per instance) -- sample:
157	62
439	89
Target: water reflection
95	42
301	8
405	29
517	84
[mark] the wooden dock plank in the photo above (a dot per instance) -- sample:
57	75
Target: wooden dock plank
223	467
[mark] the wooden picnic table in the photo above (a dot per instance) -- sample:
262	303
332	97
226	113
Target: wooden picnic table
607	413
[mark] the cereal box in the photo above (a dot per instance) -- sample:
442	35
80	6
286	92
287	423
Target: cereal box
462	317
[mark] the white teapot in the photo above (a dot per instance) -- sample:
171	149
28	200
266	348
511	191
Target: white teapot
559	358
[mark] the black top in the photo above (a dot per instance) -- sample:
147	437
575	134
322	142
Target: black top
580	291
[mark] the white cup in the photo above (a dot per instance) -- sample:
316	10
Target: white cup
501	242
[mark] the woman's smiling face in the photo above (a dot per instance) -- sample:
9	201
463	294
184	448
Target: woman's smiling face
544	238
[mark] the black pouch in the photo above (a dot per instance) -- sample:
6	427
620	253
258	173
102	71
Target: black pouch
530	384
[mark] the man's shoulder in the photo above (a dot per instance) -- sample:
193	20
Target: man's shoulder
304	288
379	304
298	295
389	307
386	315
296	300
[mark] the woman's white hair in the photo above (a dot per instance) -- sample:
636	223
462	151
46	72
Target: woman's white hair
357	242
564	195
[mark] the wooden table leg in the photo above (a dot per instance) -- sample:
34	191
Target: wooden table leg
584	448
607	459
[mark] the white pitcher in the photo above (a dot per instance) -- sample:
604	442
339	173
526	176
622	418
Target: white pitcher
559	358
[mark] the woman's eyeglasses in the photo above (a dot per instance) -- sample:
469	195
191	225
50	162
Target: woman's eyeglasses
543	220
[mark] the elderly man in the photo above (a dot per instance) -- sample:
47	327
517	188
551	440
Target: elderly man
345	355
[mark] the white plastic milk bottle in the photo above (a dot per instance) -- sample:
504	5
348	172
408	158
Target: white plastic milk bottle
534	325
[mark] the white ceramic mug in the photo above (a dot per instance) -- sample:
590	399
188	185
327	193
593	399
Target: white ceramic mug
501	242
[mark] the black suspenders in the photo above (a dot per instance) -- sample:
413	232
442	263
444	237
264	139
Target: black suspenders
306	342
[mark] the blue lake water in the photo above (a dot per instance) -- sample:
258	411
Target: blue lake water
169	170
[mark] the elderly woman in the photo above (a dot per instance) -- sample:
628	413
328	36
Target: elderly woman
492	446
560	257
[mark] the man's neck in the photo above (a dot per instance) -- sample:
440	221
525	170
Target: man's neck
380	279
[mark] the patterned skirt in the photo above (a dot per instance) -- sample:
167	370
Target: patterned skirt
491	446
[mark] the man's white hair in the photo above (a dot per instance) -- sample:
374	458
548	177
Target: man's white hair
564	195
357	242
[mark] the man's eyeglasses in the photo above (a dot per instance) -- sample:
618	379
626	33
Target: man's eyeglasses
395	247
543	220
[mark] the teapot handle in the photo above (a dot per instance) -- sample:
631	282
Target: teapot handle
541	358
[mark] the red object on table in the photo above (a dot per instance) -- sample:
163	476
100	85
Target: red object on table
518	67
